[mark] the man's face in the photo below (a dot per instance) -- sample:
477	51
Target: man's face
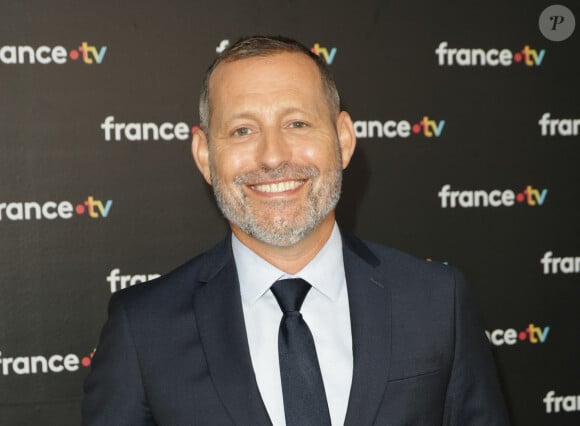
275	160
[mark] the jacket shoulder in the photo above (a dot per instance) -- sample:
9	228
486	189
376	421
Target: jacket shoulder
402	270
180	283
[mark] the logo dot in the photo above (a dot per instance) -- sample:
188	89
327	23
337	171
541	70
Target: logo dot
80	209
522	335
416	128
86	361
520	197
74	55
518	57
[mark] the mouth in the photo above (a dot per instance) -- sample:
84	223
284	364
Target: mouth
278	187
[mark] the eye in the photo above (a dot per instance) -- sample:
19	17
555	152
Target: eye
242	131
298	125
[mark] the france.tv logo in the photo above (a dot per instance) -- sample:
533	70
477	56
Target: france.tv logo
51	210
41	364
447	56
83	53
529	196
327	54
425	127
531	334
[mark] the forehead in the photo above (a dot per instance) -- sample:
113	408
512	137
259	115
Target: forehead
263	75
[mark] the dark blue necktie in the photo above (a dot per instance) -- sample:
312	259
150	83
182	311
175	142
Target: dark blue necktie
302	387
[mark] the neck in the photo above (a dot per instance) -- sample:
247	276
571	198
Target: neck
293	258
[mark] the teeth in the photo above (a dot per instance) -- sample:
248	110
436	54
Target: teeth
278	187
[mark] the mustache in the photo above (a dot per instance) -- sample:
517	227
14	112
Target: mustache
283	171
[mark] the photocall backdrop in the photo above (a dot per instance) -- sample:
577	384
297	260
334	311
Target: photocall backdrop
468	124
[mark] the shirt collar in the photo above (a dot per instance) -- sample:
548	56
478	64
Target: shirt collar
325	272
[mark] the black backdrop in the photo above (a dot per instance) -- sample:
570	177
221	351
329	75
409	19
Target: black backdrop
85	210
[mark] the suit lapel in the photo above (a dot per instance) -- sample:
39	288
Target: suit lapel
370	310
220	320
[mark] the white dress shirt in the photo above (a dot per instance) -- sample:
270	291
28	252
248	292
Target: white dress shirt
325	310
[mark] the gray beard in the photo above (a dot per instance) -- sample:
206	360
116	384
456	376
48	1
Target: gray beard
279	232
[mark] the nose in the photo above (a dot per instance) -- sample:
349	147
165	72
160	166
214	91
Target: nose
273	149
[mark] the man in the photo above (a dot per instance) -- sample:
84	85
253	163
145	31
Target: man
376	337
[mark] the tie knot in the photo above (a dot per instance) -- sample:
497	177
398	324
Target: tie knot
290	293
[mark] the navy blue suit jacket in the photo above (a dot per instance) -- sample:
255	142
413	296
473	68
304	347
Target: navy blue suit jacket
174	351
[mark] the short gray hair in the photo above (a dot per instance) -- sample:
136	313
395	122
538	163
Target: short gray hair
256	46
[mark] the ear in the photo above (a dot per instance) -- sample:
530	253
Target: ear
200	151
346	137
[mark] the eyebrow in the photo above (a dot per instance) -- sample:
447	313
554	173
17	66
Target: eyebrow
252	115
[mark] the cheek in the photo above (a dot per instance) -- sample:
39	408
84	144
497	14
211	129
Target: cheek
229	163
321	155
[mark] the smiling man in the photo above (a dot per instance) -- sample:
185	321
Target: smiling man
289	320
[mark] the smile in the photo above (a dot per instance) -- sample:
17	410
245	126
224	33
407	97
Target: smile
278	187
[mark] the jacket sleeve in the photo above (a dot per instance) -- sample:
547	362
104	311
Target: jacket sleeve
473	394
114	392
